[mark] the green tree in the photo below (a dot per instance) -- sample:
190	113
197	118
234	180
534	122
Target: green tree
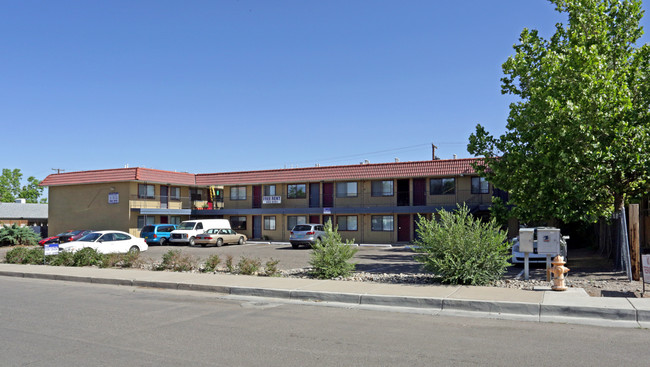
577	142
330	257
10	188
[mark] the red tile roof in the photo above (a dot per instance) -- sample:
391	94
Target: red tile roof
437	168
119	175
451	167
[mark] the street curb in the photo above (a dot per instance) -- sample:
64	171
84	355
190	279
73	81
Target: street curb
537	312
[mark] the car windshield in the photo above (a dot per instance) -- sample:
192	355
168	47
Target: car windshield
302	228
147	229
187	225
90	237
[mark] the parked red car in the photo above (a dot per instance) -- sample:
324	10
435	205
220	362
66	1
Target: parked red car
73	235
52	239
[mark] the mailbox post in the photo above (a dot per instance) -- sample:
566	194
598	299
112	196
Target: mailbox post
548	243
526	245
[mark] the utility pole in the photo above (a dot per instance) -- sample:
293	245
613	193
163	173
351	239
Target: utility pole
58	170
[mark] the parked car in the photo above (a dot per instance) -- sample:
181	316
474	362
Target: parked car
157	234
306	234
188	230
52	239
73	235
107	242
217	236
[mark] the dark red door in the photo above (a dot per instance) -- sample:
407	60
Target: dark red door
164	219
403	228
314	219
257	196
328	194
419	191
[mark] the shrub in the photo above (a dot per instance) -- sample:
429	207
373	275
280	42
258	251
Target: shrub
330	257
25	255
271	268
87	256
175	260
211	263
14	235
229	264
128	260
461	249
248	266
64	258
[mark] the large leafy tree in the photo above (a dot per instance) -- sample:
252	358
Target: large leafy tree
577	141
11	189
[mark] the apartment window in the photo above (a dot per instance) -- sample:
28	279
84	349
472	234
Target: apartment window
238	193
347	222
382	223
175	193
269	223
294	220
175	220
442	186
269	190
480	185
145	221
238	223
145	191
296	191
382	188
346	189
196	194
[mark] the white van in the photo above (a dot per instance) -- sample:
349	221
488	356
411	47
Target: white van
187	230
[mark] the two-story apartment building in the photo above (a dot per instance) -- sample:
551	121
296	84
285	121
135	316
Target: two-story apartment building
370	203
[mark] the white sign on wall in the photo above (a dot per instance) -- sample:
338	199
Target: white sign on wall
645	262
113	197
271	199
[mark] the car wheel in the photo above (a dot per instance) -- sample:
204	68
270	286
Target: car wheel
219	242
134	249
295	245
241	241
191	241
163	241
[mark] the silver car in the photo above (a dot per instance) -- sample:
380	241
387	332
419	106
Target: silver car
306	234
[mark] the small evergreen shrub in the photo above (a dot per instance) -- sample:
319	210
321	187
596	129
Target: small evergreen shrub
229	264
211	263
64	258
15	235
175	260
128	260
461	249
248	266
330	257
25	255
271	268
87	256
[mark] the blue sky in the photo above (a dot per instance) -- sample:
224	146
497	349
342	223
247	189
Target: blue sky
227	85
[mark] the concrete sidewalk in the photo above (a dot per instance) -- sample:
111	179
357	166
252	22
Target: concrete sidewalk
541	305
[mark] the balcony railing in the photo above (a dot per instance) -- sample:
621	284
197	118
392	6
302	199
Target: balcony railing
136	202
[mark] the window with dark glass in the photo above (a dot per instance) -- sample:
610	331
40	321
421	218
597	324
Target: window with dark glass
145	191
269	190
382	223
175	193
196	194
480	185
382	188
238	193
347	222
294	220
296	191
346	189
442	186
269	223
238	223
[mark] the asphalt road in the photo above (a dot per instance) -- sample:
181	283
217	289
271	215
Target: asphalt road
53	323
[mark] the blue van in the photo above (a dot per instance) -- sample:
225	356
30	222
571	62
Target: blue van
157	234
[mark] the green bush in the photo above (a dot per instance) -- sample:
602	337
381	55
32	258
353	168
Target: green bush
330	257
87	256
64	258
271	268
175	260
128	260
248	266
211	263
461	249
14	235
25	255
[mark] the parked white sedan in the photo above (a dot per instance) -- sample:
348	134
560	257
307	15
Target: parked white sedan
107	242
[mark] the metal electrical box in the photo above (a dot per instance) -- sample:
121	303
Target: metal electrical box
548	241
526	238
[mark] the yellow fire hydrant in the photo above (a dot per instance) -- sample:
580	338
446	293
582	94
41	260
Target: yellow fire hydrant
558	270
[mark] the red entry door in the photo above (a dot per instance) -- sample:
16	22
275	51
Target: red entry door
403	228
257	197
328	194
314	219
